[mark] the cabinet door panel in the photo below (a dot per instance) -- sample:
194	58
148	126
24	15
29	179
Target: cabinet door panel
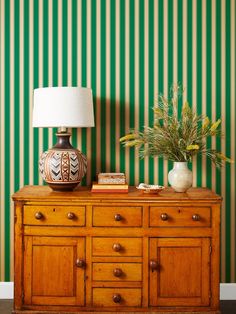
182	275
50	272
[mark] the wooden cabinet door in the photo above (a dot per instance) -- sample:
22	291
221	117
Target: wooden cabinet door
51	274
182	274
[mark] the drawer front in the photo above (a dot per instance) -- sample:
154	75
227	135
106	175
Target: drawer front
116	216
116	297
180	216
117	272
117	246
54	215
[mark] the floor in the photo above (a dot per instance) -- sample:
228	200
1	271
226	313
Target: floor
227	307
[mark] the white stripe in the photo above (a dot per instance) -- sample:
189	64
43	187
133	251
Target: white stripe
88	141
79	61
117	89
69	44
50	42
136	86
223	178
175	41
165	74
50	63
194	76
232	146
40	138
213	86
127	83
2	135
79	42
98	88
146	83
108	84
60	43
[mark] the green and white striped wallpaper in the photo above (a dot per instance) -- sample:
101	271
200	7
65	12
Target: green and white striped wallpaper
126	51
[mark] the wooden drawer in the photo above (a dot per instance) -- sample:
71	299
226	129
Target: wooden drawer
117	246
116	216
110	296
54	215
180	216
117	272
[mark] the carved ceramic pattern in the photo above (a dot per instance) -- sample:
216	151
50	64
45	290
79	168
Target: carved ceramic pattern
62	166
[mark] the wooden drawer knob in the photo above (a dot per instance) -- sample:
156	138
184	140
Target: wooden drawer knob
70	215
116	298
117	247
164	216
80	263
153	265
38	215
118	217
195	217
117	272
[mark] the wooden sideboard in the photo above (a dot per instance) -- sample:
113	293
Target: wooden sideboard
104	252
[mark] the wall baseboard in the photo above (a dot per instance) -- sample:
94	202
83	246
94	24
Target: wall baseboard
227	291
6	290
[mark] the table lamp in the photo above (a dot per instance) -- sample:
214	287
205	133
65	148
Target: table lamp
63	166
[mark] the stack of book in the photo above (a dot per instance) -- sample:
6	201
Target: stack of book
110	183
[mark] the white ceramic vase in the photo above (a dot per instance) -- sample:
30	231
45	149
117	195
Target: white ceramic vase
180	177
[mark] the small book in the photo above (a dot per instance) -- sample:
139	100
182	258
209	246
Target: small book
111	178
109	188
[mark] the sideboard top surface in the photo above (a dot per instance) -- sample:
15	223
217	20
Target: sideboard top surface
37	193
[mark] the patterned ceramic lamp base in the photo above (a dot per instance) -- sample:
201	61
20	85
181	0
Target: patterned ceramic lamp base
63	166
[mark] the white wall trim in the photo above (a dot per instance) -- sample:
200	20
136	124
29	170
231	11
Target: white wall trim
227	291
6	290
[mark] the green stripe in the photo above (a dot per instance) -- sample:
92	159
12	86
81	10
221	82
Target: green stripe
7	141
151	87
36	85
161	77
180	49
64	43
103	85
131	88
27	93
189	56
218	83
122	82
227	140
208	84
141	80
74	31
55	42
113	121
17	95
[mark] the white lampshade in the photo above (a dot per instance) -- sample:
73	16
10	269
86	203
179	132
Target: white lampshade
63	107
